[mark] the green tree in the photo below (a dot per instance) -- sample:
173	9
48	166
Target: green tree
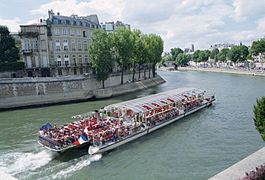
258	47
155	47
222	55
203	56
175	52
196	55
182	59
238	53
214	54
100	55
8	50
123	47
259	116
139	52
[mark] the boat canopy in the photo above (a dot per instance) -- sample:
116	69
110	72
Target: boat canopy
144	104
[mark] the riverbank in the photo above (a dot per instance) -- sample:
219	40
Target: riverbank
31	92
238	170
224	70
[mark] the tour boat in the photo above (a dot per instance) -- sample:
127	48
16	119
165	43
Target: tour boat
117	124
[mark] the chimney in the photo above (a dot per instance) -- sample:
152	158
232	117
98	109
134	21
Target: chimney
50	13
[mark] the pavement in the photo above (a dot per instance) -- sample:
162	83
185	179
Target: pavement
238	170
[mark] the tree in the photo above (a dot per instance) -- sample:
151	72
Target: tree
238	53
100	55
9	53
258	47
182	59
175	52
123	47
139	52
203	56
8	50
222	55
214	54
155	47
196	55
259	116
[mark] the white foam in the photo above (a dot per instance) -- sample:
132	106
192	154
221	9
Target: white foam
15	163
76	167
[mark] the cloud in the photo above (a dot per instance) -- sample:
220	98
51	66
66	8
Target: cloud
12	24
105	9
246	8
179	22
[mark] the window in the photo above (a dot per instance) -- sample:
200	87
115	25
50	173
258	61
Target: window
80	59
35	45
79	45
78	32
27	46
72	32
60	72
59	61
81	71
65	31
73	45
86	59
66	60
65	45
57	31
57	45
84	34
74	60
85	45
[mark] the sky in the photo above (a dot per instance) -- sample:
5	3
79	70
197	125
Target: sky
180	23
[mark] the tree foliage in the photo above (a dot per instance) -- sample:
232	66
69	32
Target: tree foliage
259	116
258	47
182	59
222	55
9	53
238	53
123	40
125	48
100	55
8	50
155	46
214	54
175	52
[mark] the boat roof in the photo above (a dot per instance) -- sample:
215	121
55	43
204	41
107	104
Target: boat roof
143	104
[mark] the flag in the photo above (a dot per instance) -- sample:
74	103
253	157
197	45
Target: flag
46	126
81	140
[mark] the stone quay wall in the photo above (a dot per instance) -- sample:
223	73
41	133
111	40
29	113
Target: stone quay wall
17	92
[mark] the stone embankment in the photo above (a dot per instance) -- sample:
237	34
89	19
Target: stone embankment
239	170
225	70
16	93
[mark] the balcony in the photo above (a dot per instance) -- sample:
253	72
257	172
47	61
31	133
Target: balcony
28	34
27	51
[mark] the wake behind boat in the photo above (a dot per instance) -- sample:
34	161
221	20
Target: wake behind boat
117	124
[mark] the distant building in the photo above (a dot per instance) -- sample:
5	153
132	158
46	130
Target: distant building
221	46
58	45
113	26
189	50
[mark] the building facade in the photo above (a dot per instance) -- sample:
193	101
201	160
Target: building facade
113	26
58	45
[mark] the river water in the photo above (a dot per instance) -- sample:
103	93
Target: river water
196	147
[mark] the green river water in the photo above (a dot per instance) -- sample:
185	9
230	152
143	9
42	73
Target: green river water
195	147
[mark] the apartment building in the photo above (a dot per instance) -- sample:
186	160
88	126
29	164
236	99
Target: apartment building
58	45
